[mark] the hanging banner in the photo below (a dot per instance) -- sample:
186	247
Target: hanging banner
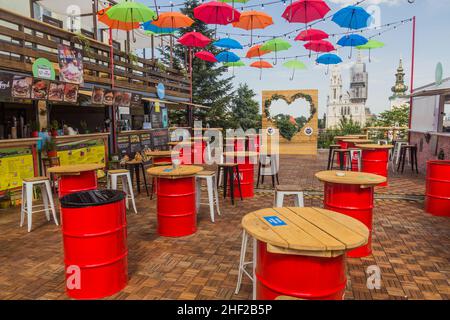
70	64
21	87
70	93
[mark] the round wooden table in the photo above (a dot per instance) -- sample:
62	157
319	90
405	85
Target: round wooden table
351	193
175	192
375	159
300	252
246	161
76	177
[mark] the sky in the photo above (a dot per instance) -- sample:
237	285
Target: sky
432	46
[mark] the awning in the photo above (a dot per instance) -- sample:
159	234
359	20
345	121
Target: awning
160	101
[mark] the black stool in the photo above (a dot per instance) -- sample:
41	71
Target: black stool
134	167
264	165
330	153
229	170
345	163
412	158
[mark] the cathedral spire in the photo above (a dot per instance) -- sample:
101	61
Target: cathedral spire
400	88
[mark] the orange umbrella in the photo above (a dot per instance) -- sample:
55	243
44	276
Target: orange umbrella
173	20
261	65
115	24
251	20
256	51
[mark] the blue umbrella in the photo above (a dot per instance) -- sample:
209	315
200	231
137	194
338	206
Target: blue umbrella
227	56
352	40
228	43
352	17
151	28
328	59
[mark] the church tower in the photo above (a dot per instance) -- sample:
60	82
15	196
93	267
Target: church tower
359	80
334	96
399	90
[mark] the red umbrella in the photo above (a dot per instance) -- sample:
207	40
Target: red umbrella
319	46
194	39
206	56
311	34
214	12
305	11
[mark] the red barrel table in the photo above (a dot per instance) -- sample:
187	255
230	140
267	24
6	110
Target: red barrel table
175	192
375	159
344	145
300	252
75	178
352	193
437	200
246	163
351	144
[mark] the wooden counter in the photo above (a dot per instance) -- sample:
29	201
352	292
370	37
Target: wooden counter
25	142
78	137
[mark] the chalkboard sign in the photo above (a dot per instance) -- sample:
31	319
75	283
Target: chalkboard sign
156	117
5	85
160	138
135	144
123	143
146	140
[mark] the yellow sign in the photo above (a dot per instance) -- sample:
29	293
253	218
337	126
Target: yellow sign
82	152
157	109
15	165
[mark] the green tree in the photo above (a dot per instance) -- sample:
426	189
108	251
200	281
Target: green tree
348	126
286	127
210	86
245	109
397	117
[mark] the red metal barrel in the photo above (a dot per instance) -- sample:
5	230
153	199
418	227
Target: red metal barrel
176	207
312	278
94	230
437	200
162	159
354	160
254	143
355	202
84	181
376	161
247	177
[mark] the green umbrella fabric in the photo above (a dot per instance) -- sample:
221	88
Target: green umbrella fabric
276	45
294	65
130	11
234	64
370	45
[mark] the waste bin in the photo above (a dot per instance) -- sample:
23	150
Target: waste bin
94	229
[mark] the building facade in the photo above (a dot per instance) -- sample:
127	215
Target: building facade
349	103
399	90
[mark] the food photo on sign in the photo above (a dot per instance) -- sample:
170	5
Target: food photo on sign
40	89
98	95
126	99
117	98
70	64
56	91
70	93
21	87
108	97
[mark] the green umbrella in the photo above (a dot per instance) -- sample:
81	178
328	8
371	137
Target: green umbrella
294	64
371	44
275	45
234	64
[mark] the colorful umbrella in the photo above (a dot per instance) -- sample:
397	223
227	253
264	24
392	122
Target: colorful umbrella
294	65
227	56
233	2
352	40
234	64
214	12
319	46
251	20
352	17
261	65
115	24
206	56
305	11
276	45
311	35
227	43
370	45
173	20
256	51
328	59
150	28
194	39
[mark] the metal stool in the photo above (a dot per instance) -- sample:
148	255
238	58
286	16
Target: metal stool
356	154
267	166
134	167
344	159
285	190
229	171
243	264
330	153
213	195
127	186
412	156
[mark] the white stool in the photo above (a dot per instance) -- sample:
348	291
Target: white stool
213	195
243	264
285	190
27	200
395	154
127	186
356	154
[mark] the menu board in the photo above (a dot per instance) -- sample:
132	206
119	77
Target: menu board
156	116
123	144
16	164
160	138
5	85
135	143
89	151
146	140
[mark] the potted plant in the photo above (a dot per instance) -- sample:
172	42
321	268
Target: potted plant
34	128
50	148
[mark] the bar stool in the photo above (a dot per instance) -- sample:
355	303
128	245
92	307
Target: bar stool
134	167
28	186
395	155
213	195
344	159
267	166
243	264
127	186
49	162
285	190
330	152
412	156
356	154
229	171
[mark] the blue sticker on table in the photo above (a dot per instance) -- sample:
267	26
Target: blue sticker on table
275	221
168	170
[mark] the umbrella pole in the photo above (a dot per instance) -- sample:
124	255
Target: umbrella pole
190	70
293	73
260	73
111	57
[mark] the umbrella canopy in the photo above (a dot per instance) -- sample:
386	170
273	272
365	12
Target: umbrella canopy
130	11
256	51
214	12
173	20
206	56
294	65
276	45
311	35
150	28
251	20
194	39
370	45
319	46
227	43
234	64
305	11
261	65
227	56
352	17
352	40
328	59
115	24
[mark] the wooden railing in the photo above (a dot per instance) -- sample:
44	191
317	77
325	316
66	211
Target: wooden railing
22	40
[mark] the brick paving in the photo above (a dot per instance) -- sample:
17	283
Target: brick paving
409	246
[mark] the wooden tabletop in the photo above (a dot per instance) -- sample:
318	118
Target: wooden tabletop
305	231
75	168
374	146
169	172
350	177
181	143
357	136
161	153
240	154
357	141
235	138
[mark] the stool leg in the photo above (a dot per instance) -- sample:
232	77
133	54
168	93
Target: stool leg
45	201
280	199
254	268
209	185
415	161
231	176
225	178
144	175
239	181
131	192
29	206
329	159
114	182
152	191
124	189
108	181
216	196
198	190
404	159
299	200
50	200
400	157
276	176
241	261
259	174
23	205
333	154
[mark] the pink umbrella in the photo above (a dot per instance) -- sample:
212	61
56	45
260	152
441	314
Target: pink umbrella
305	11
311	35
319	46
206	56
194	39
214	12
